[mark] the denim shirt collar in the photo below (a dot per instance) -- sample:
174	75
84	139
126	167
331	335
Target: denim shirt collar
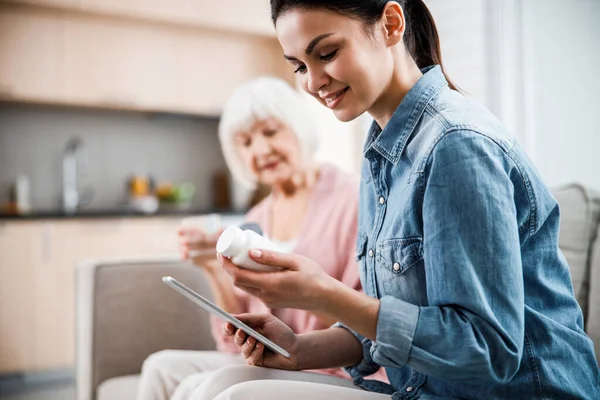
391	141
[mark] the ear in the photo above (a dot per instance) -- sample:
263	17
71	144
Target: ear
394	23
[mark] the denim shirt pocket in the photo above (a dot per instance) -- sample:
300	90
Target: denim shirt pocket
398	255
396	266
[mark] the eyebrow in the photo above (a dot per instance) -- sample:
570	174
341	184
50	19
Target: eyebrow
310	47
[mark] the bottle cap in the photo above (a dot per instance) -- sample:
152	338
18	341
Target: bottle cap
231	242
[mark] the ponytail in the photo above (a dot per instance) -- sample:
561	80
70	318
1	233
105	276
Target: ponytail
421	37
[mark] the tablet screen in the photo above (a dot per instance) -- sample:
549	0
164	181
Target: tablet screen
213	308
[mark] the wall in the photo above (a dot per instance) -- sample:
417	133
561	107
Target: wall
340	143
464	36
565	41
118	144
534	63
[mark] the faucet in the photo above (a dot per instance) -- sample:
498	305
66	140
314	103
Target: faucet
73	154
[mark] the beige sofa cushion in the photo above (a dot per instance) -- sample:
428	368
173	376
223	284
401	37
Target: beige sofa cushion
123	387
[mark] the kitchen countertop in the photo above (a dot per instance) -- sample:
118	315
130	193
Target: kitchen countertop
115	213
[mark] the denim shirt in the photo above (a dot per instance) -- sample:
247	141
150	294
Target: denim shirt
458	238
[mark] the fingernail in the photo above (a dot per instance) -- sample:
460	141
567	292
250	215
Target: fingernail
256	253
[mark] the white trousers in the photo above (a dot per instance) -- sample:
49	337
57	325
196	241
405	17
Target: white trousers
248	383
208	375
175	374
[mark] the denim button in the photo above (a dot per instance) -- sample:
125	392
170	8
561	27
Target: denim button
396	267
381	200
371	253
410	389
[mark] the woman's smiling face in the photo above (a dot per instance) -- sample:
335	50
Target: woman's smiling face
337	61
270	150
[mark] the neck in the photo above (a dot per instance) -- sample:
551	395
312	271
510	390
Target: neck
299	181
405	76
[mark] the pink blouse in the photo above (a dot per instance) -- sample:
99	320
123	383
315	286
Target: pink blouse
328	237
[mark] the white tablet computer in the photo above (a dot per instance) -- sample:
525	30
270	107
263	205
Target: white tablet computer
210	307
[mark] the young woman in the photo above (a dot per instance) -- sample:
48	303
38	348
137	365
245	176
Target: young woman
267	137
467	293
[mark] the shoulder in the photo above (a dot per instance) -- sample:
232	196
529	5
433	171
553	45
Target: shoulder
258	212
337	189
333	177
464	129
337	194
459	115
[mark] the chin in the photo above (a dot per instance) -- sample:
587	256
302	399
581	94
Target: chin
274	179
346	115
267	181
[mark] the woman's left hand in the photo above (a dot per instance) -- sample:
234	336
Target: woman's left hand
300	283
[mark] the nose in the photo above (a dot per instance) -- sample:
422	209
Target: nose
260	146
316	79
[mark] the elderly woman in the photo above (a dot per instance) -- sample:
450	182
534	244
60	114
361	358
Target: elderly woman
268	137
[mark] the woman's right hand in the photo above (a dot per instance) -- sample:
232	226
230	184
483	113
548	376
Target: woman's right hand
255	352
199	247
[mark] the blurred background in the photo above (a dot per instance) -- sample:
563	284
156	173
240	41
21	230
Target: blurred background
109	111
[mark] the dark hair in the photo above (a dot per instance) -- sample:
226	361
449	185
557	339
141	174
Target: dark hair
421	37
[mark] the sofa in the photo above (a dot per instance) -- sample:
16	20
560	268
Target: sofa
124	312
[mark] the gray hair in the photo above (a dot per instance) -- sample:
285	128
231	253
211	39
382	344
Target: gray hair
259	99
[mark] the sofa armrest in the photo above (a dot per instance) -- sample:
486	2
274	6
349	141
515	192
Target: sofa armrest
124	313
593	318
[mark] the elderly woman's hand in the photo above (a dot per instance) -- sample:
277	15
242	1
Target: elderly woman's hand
299	284
199	247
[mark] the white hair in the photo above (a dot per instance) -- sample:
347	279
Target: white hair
259	99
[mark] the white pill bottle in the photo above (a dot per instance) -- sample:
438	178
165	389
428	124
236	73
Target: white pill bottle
235	244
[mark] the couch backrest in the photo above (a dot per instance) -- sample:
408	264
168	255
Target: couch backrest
593	315
125	313
579	210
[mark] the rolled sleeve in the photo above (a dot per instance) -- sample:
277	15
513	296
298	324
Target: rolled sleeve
366	366
396	326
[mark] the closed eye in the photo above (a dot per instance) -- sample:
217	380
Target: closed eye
244	141
300	70
329	56
270	133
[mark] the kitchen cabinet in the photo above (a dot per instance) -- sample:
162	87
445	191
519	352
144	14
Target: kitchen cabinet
54	55
30	44
20	251
38	261
243	16
213	68
118	65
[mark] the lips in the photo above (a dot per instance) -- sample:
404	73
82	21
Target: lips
333	99
270	165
